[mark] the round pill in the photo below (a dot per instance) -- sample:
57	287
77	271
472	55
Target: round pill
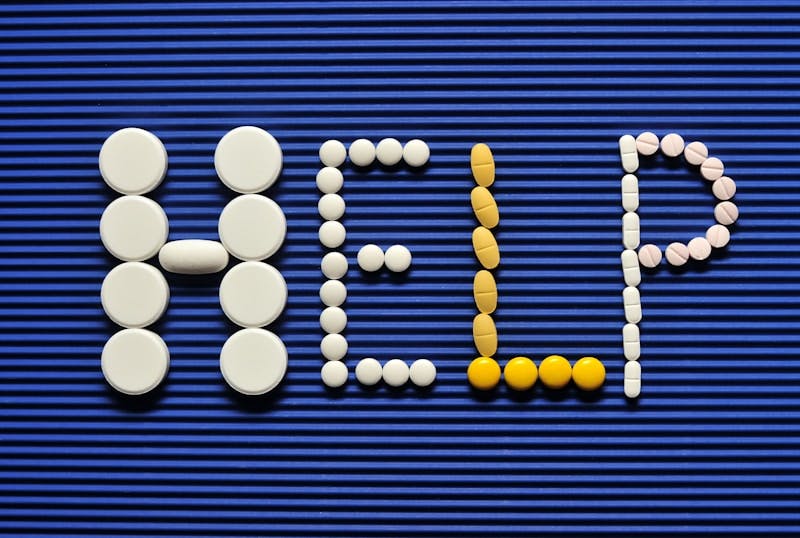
520	373
483	373
133	228
649	255
253	294
330	180
555	372
370	258
395	373
647	143
252	227
134	294
422	372
726	213
332	233
724	188
333	320
362	152
334	265
677	254
133	161
253	361
135	361
588	373
699	248
332	153
333	293
248	159
331	207
397	258
333	347
389	151
334	374
712	169
695	153
369	371
416	153
672	145
718	236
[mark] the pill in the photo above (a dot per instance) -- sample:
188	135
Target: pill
329	180
630	192
397	258
416	153
647	143
484	290
481	162
248	159
695	153
718	236
699	248
133	161
672	145
484	334
134	294
649	256
362	152
712	169
193	257
369	371
520	373
724	188
633	304
253	294
389	151
370	258
333	293
253	361
334	374
422	372
555	372
334	265
630	268
628	153
630	341
726	213
485	247
252	227
331	207
134	361
395	373
630	230
588	373
677	254
633	379
333	347
332	153
332	233
333	320
483	373
133	228
485	207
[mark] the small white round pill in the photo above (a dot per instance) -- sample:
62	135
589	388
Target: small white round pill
333	347
712	169
695	153
248	159
135	361
397	258
370	258
649	256
333	320
332	153
677	254
672	145
362	152
724	188
647	143
334	374
699	248
332	233
134	294
718	236
253	361
330	180
333	293
133	161
133	228
252	227
416	153
369	371
334	265
726	213
389	151
253	294
422	372
395	373
331	207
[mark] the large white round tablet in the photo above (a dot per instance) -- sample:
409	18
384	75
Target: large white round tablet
253	294
362	152
397	258
253	361
133	161
333	293
416	153
395	372
334	374
133	228
334	265
370	258
134	294
331	206
332	233
422	372
333	347
135	361
332	153
333	320
329	180
389	151
248	159
252	227
369	371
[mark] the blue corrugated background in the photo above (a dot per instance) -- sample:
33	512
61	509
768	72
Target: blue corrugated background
711	447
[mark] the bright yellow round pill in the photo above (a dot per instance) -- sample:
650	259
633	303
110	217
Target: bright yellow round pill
555	372
483	373
588	373
520	373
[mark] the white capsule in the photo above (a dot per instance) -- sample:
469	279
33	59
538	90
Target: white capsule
330	180
718	236
699	248
397	258
630	192
332	153
389	151
333	293
370	258
422	372
332	233
724	188
134	294
633	305
193	257
677	254
333	347
334	374
133	228
395	373
712	169
630	341
672	145
369	371
416	153
726	213
649	256
695	153
647	143
630	230
334	265
133	161
628	153
630	268
362	152
331	207
333	320
633	379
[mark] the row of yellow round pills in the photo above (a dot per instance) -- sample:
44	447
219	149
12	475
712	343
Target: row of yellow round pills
521	373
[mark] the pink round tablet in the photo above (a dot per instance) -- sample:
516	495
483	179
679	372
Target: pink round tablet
712	169
726	213
699	248
647	143
724	188
695	153
649	255
672	145
718	236
677	254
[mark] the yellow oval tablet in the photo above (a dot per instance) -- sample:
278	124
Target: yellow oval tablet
482	163
485	207
484	333
520	373
485	246
555	372
483	373
484	289
589	373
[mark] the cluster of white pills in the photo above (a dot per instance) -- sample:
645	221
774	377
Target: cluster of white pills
371	258
362	152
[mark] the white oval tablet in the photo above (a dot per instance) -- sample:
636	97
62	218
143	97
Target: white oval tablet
135	361
389	151
333	293
134	294
647	143
677	254
193	257
395	373
699	248
633	305
330	180
633	379
628	153
331	207
133	161
672	145
362	152
333	320
726	213
630	268
397	258
334	374
370	258
630	341
332	153
334	265
248	159
695	153
253	361
718	236
252	227
630	192
253	294
369	371
630	230
650	256
422	372
724	188
333	347
416	153
332	233
133	228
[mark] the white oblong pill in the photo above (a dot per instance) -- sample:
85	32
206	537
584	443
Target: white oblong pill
253	294
389	151
133	161
630	192
633	305
718	236
370	258
628	153
630	341
333	293
630	267
677	254
397	258
330	180
333	320
649	256
334	265
369	371
726	213
332	233
422	372
248	159
135	361
633	379
252	227
362	152
253	361
699	248
395	373
695	153
712	169
416	153
331	207
193	257
630	230
647	143
333	347
134	294
672	145
724	188
133	228
334	374
332	153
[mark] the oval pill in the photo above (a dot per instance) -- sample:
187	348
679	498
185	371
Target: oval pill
672	145
369	371
330	180
416	153
484	207
134	361
334	374
484	290
630	267
726	213
724	188
331	206
333	293
333	347
362	152
630	341
253	361
677	254
333	320
484	334
422	372
650	256
633	305
555	372
628	153
253	294
520	373
633	379
695	153
712	169
588	373
252	227
647	143
485	247
133	161
248	159
699	248
193	257
718	236
630	192
483	373
133	228
134	294
332	153
630	230
395	373
482	163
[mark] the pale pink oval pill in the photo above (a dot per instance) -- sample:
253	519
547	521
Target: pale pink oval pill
672	145
649	256
726	213
695	153
677	254
724	188
647	143
718	236
712	169
699	248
